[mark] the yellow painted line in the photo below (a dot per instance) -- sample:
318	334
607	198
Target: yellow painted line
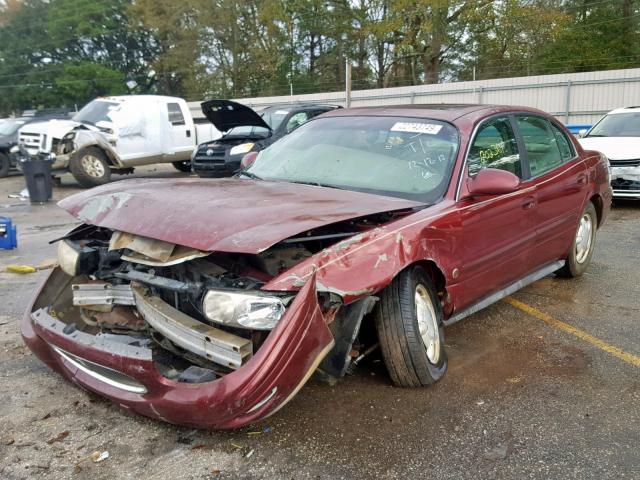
581	334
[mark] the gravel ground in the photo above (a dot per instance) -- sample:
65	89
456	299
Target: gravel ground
521	398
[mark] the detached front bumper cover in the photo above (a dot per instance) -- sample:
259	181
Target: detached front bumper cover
126	374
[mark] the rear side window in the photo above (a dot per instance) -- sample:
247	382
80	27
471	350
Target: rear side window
564	145
175	114
541	144
495	146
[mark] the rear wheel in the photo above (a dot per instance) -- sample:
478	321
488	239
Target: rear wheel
90	167
584	241
410	330
5	165
183	166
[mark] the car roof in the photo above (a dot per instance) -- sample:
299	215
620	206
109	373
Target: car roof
447	112
298	107
624	110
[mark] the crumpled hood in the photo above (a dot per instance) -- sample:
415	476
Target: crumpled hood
225	215
54	128
615	148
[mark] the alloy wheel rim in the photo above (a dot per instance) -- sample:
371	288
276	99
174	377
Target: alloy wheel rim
427	323
584	238
93	166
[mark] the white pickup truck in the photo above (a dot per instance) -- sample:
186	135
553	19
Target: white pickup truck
115	134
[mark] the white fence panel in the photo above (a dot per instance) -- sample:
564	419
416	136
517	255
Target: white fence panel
573	98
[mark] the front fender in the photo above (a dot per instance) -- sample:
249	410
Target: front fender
88	138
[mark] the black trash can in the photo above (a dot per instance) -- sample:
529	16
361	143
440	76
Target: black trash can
37	174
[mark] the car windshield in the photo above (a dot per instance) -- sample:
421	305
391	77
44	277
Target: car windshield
617	125
9	127
410	158
273	118
95	111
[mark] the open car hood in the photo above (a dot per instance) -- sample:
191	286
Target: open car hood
225	215
225	115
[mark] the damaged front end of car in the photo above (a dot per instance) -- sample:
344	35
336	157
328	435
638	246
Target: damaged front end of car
158	327
189	336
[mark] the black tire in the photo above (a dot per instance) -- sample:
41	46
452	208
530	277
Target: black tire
5	164
404	352
575	265
183	166
93	175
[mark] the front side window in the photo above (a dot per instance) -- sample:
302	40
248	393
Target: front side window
409	158
495	146
175	114
543	151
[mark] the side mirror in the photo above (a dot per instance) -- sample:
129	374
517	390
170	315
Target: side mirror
248	160
491	181
582	132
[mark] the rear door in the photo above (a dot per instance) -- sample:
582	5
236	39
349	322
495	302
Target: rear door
560	180
181	132
497	230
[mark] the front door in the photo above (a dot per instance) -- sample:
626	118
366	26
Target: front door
497	231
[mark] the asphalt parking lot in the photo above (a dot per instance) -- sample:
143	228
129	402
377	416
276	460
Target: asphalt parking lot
546	385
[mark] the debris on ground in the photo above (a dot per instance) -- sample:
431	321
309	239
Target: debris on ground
58	438
97	457
24	269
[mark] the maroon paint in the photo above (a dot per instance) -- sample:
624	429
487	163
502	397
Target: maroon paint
489	240
491	181
224	215
282	361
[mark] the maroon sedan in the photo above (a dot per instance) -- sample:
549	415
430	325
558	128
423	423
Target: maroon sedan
211	302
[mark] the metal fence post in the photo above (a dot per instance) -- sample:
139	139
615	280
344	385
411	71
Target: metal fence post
347	84
480	95
567	102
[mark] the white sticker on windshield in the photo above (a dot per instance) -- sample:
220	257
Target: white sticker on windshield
281	112
414	127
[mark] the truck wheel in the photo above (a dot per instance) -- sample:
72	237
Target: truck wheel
410	330
184	166
583	244
5	165
90	167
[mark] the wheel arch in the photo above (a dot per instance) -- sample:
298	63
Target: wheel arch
598	203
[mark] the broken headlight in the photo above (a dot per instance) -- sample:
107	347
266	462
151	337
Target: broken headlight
75	259
243	310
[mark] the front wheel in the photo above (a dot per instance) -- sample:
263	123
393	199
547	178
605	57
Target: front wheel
90	167
583	245
409	321
183	166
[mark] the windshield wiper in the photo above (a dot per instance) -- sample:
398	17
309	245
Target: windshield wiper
315	184
250	175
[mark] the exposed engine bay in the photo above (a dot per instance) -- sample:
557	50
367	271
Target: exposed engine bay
202	314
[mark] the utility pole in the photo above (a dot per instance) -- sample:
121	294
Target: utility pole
347	84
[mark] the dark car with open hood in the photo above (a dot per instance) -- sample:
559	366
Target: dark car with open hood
244	131
363	228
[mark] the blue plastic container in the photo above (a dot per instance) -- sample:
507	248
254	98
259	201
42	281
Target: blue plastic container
8	234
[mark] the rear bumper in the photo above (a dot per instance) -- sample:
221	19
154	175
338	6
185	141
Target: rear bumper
127	375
